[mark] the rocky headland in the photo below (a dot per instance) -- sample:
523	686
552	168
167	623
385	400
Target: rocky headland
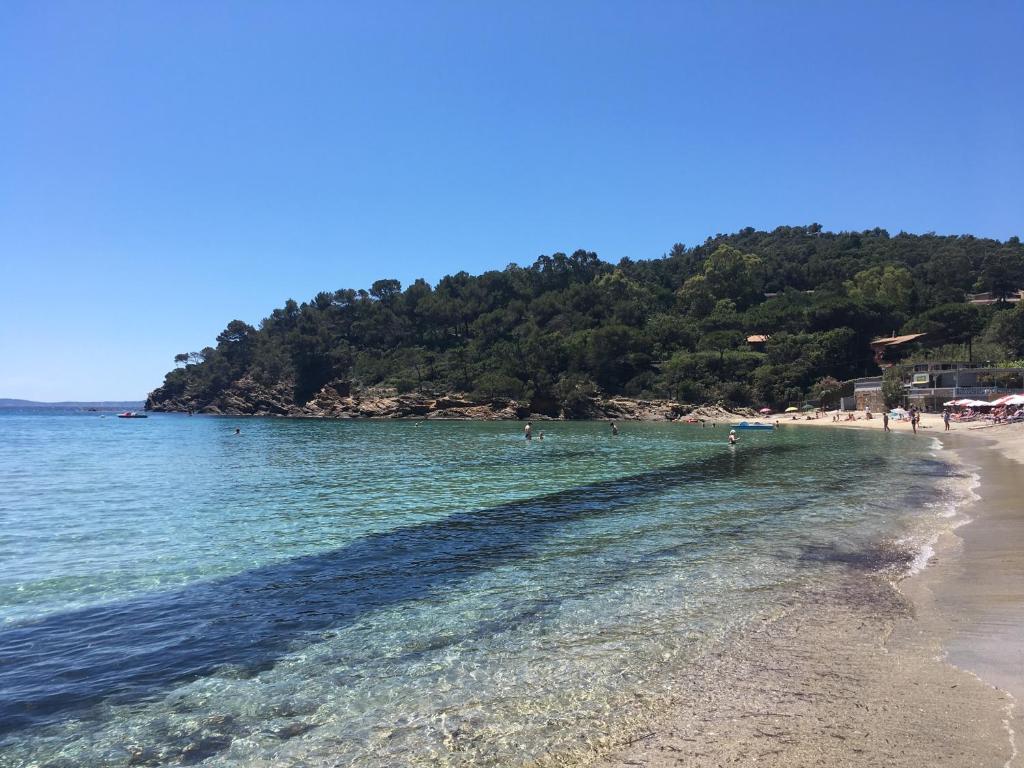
339	400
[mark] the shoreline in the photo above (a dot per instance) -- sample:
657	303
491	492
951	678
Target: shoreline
903	666
978	576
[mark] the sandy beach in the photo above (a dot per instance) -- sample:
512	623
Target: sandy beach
891	669
1007	439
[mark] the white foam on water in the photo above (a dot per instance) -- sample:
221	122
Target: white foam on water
1011	734
924	554
943	515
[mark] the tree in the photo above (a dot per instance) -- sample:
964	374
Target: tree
492	385
720	342
826	391
180	359
576	393
1007	330
731	274
235	345
949	324
1002	273
695	297
237	332
890	285
385	291
893	390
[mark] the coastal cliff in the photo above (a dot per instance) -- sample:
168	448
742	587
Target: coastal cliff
338	400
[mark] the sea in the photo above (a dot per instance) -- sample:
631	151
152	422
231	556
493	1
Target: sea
402	593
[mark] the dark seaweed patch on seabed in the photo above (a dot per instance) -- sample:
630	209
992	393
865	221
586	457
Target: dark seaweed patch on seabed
873	557
133	649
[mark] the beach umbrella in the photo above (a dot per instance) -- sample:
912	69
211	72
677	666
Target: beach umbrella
765	410
1008	400
809	407
791	409
951	402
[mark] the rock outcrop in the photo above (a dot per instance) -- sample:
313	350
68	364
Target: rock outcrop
338	400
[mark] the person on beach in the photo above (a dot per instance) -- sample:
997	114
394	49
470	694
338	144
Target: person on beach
528	431
615	430
913	419
732	437
885	421
945	419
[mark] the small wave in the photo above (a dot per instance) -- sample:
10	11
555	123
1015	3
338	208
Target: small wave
955	493
920	561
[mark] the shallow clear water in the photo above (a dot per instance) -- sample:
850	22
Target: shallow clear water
382	593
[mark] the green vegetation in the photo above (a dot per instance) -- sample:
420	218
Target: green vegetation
565	327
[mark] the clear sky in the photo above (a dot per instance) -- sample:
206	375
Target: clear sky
166	167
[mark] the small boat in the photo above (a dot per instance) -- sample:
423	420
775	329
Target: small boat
753	425
132	415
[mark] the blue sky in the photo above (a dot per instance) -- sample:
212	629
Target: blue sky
168	167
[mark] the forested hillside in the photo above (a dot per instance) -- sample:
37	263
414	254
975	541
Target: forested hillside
555	332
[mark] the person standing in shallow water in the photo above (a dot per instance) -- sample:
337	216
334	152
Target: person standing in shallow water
528	431
885	421
615	430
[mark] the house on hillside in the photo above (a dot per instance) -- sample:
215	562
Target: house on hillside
757	341
935	382
930	384
889	349
988	298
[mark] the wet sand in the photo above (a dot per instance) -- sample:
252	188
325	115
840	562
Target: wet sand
883	670
979	590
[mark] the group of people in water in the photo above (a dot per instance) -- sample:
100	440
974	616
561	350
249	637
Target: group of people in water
528	431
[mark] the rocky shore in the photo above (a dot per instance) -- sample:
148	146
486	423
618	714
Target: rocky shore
338	400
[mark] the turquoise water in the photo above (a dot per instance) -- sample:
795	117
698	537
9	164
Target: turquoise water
382	593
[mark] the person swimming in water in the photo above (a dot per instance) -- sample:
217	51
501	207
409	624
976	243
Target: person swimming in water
733	439
528	431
